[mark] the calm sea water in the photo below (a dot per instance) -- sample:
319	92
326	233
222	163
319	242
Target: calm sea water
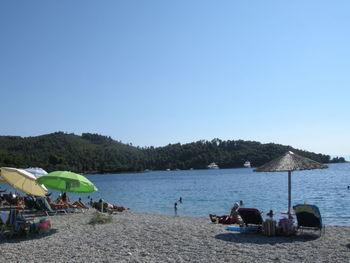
215	191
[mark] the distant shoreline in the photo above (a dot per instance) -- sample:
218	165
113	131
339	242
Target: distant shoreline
94	153
178	170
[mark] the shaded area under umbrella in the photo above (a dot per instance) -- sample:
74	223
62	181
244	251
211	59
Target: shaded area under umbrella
23	181
287	163
67	182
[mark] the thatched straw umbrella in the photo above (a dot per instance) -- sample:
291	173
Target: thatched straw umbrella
287	163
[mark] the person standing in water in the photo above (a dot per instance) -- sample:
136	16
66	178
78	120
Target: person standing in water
180	200
175	208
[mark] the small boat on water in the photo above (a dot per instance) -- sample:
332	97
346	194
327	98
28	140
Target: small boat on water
213	166
247	164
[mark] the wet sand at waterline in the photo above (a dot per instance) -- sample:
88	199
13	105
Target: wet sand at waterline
140	237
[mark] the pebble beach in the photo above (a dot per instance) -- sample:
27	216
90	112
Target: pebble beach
141	237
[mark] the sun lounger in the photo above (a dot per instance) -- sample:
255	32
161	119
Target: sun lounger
47	209
29	203
308	217
105	209
251	216
12	202
12	223
10	199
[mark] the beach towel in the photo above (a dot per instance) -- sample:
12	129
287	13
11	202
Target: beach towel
243	229
4	216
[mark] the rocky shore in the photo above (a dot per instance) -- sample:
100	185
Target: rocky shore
139	237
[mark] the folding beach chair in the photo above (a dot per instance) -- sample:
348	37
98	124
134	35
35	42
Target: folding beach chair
14	224
10	199
29	203
308	217
46	208
251	216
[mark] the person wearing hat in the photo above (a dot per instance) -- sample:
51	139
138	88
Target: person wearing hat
232	218
269	226
270	214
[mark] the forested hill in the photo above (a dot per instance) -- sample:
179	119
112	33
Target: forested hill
101	154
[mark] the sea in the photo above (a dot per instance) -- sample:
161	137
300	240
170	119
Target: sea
210	191
205	192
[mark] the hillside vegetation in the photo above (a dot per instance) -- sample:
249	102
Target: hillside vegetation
101	154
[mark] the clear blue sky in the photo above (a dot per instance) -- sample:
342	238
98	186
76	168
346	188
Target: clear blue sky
159	72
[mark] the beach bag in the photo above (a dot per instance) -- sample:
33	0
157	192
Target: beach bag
44	226
269	228
287	226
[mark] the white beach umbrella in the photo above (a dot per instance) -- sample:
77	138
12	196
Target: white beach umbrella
2	180
23	181
36	171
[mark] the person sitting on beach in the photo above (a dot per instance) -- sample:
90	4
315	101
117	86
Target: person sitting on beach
107	207
65	199
270	215
114	207
58	204
232	218
80	204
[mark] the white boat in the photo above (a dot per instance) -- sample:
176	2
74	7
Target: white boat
247	164
213	166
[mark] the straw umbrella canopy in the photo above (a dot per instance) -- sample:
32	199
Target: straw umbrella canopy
287	163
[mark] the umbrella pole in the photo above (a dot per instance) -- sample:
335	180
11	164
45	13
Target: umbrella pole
289	191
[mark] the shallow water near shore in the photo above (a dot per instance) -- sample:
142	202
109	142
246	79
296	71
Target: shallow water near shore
214	191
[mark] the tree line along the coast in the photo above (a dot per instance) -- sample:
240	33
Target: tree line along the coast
94	153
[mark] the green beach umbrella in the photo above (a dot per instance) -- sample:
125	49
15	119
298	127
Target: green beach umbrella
67	182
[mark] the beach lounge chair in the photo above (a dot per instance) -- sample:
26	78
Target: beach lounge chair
47	209
12	223
251	216
308	217
29	203
106	209
12	201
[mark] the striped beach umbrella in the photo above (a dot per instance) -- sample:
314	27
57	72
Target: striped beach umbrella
36	171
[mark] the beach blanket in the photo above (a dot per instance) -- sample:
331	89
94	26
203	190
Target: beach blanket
243	229
4	216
